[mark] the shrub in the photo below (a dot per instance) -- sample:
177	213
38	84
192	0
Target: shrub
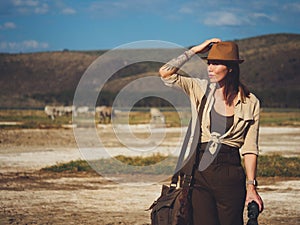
268	165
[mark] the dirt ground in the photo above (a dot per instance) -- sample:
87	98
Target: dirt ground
29	196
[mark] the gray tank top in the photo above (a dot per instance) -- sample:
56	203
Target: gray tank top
219	123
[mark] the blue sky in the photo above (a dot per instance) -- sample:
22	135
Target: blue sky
54	25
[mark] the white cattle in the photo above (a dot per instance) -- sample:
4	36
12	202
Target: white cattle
54	111
82	109
156	116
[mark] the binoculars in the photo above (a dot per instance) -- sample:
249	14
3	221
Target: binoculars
253	212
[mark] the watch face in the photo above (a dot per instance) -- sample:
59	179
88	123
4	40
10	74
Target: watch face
254	182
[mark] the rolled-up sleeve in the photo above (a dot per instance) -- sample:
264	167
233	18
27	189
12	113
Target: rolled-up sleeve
251	136
193	87
170	81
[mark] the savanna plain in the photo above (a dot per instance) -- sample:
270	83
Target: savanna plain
45	177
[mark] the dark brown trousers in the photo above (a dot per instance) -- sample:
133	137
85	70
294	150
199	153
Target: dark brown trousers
219	191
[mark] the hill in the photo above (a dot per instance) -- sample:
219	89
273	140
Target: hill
35	79
272	68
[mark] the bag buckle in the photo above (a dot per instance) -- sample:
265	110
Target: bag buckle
173	185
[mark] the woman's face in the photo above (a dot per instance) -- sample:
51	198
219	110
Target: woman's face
217	71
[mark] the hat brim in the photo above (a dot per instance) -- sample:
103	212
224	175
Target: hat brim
233	61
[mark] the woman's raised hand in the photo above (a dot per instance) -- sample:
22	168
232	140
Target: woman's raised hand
205	46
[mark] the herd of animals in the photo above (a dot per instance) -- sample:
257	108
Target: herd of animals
105	113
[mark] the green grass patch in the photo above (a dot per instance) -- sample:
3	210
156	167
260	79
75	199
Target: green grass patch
72	166
268	165
141	161
276	165
155	164
31	119
280	117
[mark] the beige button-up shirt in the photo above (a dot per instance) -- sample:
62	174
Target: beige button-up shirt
244	132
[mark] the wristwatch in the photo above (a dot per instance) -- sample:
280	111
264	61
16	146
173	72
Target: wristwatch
252	182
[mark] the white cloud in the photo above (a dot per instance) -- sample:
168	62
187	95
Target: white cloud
294	7
8	25
237	17
27	45
240	13
25	2
68	11
41	9
186	10
222	19
32	44
30	6
27	7
262	16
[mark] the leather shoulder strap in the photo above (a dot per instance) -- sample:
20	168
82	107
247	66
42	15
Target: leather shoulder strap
189	171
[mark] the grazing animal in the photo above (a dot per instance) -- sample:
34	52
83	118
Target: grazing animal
82	109
157	117
105	113
50	111
54	111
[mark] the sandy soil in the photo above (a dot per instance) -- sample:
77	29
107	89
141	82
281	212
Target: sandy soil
29	196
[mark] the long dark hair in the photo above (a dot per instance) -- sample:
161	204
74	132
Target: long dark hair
232	84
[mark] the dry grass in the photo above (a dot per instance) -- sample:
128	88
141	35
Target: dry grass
277	118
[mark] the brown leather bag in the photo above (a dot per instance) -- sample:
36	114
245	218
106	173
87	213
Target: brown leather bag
173	207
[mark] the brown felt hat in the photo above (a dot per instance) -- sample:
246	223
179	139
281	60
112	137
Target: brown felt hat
224	51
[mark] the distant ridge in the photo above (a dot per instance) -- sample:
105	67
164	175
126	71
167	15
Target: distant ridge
33	80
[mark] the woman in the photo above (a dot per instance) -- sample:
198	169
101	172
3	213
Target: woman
229	123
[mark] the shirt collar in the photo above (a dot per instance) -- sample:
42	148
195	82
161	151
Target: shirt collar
213	86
